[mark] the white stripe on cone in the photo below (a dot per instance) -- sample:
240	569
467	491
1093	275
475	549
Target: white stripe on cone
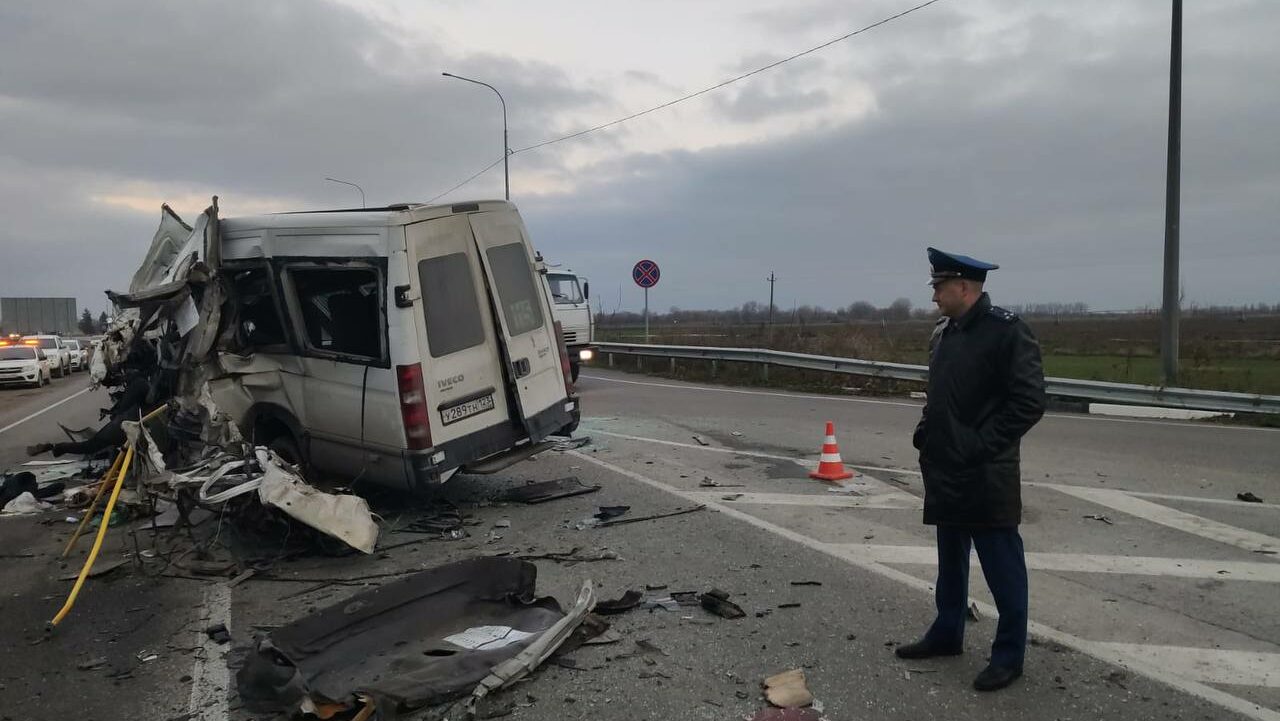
830	458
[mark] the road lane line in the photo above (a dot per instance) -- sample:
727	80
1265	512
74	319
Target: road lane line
1117	656
1171	517
1210	665
1257	571
210	677
46	409
911	472
890	501
590	428
796	396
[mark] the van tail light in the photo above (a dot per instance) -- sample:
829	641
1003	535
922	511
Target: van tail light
413	406
564	359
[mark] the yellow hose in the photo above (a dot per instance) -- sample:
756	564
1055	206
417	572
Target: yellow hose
102	488
97	542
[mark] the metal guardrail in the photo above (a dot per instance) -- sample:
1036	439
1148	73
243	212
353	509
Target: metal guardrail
1124	393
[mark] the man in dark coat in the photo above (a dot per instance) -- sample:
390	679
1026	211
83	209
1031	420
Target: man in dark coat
986	390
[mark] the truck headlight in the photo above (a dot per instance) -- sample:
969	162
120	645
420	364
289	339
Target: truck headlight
586	354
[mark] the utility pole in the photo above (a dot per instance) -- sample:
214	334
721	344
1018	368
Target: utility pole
1172	199
772	279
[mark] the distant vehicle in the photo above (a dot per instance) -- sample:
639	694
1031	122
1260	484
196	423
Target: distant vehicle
23	364
571	307
79	354
59	354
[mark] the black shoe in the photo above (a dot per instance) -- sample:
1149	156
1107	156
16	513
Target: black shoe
994	678
926	649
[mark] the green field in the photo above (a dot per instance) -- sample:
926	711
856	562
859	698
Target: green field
1229	353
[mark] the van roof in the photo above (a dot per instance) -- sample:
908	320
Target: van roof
398	214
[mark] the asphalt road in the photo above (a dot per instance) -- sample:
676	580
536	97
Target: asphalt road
1166	612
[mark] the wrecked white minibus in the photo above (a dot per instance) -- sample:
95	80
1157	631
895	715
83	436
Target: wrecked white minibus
387	345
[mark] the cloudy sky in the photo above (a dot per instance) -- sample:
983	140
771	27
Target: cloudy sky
1031	134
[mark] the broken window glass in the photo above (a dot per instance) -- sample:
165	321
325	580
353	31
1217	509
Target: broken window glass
341	309
450	304
259	320
514	277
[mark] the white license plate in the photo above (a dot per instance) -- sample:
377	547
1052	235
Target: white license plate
453	414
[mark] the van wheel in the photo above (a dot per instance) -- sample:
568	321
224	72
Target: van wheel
285	447
574	368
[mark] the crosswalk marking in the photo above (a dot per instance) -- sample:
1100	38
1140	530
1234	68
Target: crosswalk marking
1208	665
1263	572
1171	517
1106	652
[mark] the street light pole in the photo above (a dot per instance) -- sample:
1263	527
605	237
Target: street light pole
357	187
506	147
1172	201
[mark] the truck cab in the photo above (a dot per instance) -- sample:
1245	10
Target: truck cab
571	307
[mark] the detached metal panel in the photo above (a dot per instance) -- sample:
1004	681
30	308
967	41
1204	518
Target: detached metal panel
39	315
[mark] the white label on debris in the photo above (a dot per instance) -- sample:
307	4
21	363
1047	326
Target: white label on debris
188	316
487	638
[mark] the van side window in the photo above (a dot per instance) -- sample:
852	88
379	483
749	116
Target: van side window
450	304
259	322
340	310
516	292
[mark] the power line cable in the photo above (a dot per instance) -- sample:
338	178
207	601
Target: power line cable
692	95
730	81
484	170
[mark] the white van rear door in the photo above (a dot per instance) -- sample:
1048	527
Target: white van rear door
533	359
462	370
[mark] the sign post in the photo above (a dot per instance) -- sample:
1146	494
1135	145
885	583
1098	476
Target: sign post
646	275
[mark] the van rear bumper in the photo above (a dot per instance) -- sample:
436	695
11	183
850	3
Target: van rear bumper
425	467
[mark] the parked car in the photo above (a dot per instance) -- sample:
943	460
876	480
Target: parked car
394	345
23	364
79	354
59	354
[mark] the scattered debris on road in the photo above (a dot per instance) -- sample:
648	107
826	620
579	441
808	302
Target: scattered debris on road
544	491
1099	517
700	440
973	612
717	602
1248	497
401	642
788	689
652	516
629	600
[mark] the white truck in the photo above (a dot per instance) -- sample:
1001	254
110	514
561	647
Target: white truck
571	306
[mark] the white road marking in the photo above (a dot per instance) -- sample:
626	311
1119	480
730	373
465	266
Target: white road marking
1171	517
914	472
753	454
46	409
894	501
797	396
1258	571
1199	499
1119	656
210	677
1209	665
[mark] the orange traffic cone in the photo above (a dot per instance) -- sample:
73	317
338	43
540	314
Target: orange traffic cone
830	467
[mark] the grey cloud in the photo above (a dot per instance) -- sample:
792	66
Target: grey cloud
1049	163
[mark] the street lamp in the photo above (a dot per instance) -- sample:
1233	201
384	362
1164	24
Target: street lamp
506	150
357	187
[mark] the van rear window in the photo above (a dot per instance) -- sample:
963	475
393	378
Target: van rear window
450	304
516	291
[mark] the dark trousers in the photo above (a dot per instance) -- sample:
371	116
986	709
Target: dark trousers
1003	564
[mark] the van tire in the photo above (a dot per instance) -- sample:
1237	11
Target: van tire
574	368
285	447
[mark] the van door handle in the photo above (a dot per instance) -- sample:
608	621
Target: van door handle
521	367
